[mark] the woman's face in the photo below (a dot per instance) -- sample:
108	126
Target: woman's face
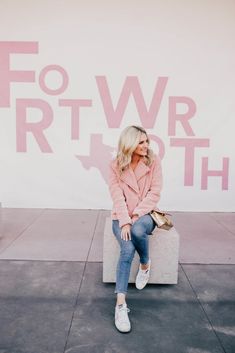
142	148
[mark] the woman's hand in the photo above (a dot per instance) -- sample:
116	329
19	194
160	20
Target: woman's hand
134	218
126	232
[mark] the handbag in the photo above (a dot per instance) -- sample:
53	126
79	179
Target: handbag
161	220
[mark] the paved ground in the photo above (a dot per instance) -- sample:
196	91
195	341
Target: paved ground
52	299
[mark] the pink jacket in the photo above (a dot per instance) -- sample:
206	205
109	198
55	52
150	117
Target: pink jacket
134	192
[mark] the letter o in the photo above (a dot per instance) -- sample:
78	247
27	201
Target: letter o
63	73
160	144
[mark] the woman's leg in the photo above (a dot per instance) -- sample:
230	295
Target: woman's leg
127	252
140	232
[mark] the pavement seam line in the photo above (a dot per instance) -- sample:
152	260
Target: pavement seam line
95	227
222	224
79	288
19	235
204	311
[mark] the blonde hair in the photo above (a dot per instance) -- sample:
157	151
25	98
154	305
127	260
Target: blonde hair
128	141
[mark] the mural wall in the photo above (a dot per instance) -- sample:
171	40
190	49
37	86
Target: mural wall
74	74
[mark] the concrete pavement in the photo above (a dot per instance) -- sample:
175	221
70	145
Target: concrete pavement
52	299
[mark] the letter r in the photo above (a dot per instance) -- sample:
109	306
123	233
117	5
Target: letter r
23	126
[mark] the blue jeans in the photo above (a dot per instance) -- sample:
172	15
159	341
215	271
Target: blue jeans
140	232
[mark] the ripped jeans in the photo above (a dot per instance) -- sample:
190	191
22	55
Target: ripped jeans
140	232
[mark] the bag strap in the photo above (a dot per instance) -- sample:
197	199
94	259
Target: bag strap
162	212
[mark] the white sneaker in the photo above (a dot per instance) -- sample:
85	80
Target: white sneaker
122	321
142	277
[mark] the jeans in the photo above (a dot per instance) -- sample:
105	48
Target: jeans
140	232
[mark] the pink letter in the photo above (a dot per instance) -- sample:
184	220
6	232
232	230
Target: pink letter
22	126
161	147
64	75
131	86
183	118
189	144
75	105
221	173
7	75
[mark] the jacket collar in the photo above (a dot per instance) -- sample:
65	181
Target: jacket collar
141	170
131	177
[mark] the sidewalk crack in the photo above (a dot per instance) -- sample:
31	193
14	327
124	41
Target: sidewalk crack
204	311
20	234
80	285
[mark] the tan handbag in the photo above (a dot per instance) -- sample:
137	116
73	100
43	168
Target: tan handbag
161	220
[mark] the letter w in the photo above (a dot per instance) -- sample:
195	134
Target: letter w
131	86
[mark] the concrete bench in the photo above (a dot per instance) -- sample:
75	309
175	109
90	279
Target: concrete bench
164	254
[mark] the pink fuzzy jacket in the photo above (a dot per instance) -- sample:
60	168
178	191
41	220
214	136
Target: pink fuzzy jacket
134	192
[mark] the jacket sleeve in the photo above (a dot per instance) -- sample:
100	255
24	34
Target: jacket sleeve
152	197
119	203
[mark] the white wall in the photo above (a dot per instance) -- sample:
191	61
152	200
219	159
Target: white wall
189	43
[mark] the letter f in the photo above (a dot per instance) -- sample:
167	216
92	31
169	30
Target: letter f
7	75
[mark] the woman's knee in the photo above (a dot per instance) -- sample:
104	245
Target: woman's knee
142	227
137	231
127	252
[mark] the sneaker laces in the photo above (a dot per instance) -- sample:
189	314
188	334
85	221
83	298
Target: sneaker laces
122	314
144	272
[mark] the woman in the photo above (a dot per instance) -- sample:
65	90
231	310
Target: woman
135	182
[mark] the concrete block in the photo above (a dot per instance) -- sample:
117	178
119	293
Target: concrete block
164	254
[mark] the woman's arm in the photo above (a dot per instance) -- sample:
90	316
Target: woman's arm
118	198
151	199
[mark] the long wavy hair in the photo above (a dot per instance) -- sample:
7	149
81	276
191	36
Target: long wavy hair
128	141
